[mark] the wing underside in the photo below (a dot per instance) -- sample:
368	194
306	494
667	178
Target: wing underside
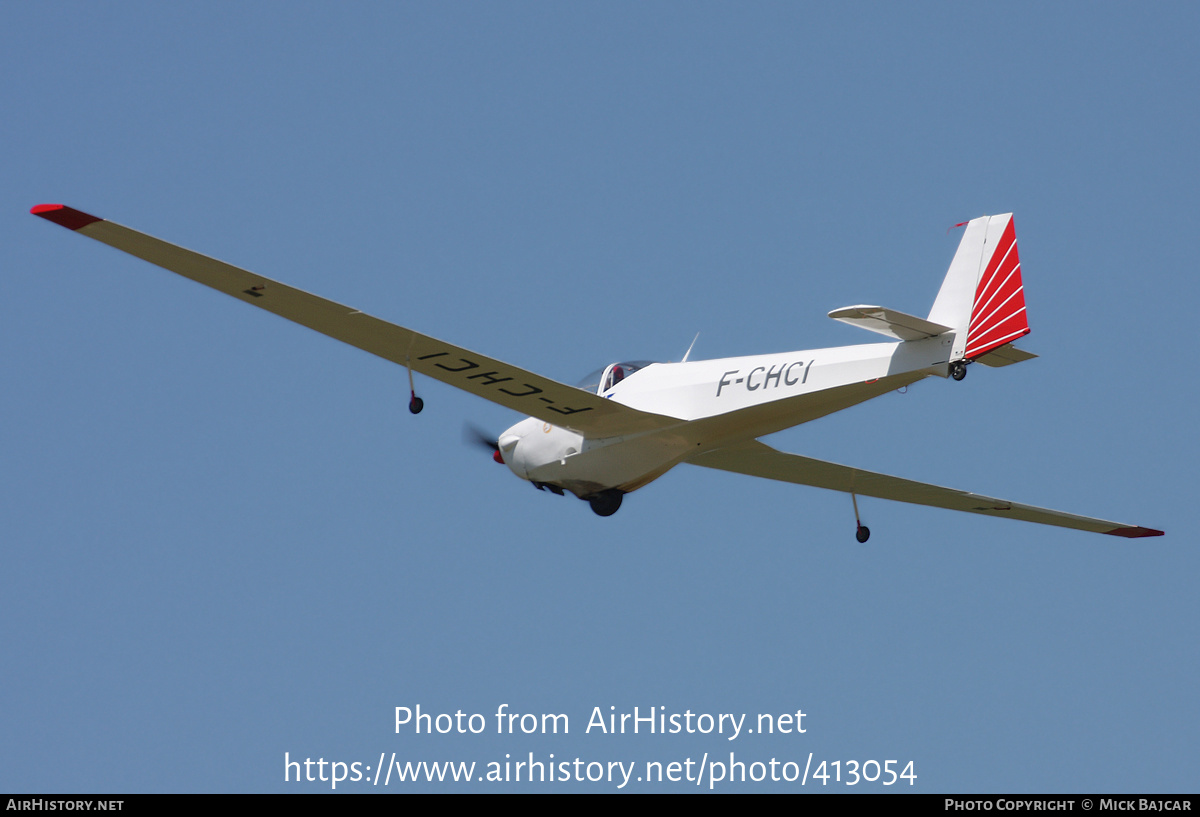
760	460
491	379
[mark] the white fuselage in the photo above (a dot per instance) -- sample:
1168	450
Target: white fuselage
757	388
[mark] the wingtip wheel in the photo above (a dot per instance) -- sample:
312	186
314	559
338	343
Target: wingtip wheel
958	369
415	404
862	533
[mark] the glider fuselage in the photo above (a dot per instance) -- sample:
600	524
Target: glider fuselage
698	394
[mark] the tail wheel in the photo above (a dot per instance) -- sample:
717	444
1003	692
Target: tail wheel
606	503
958	370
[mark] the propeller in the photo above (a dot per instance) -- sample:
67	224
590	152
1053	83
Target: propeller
476	436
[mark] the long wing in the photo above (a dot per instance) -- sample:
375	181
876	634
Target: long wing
502	383
760	460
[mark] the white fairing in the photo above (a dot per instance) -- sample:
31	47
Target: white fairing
549	455
532	445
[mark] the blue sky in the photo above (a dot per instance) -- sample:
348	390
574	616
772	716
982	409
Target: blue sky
227	539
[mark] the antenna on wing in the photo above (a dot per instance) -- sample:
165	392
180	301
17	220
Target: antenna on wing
689	351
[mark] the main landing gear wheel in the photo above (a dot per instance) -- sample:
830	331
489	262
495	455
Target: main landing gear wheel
958	370
416	404
606	503
862	534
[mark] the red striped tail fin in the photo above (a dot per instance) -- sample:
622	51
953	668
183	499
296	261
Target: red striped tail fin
982	298
998	312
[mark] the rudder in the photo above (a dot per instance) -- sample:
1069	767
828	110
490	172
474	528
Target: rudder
982	297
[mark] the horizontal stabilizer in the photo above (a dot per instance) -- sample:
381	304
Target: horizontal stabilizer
760	460
1005	355
888	322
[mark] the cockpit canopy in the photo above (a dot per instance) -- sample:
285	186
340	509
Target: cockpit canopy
601	380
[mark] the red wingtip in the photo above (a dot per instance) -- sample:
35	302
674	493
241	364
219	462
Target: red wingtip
1134	533
64	216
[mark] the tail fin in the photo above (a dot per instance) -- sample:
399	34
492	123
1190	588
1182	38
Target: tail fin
983	298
